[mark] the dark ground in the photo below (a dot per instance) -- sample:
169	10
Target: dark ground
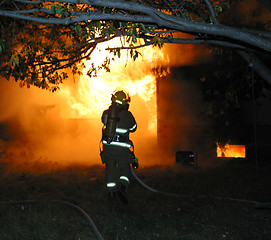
203	211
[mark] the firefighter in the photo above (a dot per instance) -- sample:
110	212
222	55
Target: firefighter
116	153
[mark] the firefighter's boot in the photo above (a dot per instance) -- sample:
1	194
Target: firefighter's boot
122	193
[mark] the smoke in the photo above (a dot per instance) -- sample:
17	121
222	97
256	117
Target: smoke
186	54
43	134
181	126
38	134
252	13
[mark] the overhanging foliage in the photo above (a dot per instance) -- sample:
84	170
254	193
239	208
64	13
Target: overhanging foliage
39	39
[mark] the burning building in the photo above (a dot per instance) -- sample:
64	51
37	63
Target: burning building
65	127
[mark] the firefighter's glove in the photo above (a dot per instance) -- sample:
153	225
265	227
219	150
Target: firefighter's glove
135	164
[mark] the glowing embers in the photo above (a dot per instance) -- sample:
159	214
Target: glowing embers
231	151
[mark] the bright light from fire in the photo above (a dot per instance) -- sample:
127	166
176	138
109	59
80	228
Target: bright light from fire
231	151
93	94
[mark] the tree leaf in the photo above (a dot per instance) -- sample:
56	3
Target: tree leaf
98	25
2	45
53	9
70	8
58	9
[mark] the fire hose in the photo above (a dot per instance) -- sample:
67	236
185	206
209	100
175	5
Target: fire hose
86	216
152	189
95	229
257	205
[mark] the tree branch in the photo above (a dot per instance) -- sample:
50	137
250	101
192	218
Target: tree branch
258	65
246	40
260	68
150	15
212	11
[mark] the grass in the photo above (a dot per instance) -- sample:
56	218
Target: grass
196	215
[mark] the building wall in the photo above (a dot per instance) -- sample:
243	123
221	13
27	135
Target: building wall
181	126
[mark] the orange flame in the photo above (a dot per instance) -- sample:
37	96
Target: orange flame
94	94
231	151
47	125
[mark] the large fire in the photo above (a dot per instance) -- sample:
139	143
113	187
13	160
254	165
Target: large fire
65	127
93	94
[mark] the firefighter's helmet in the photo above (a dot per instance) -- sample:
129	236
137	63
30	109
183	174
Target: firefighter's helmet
121	97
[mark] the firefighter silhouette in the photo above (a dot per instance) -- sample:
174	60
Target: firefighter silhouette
116	152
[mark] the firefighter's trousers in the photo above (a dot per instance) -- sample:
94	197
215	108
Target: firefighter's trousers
117	160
